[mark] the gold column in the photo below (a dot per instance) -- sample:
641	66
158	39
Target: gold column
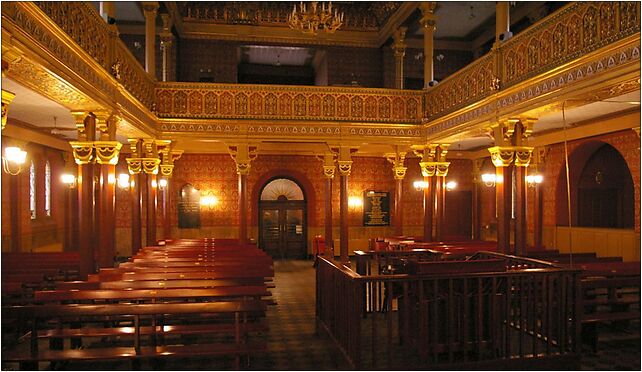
150	9
441	171
428	21
7	97
502	22
344	163
135	165
328	171
399	47
166	44
243	154
434	168
168	157
399	172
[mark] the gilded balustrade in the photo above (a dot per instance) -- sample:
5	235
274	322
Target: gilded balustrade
569	33
468	85
132	75
81	21
231	101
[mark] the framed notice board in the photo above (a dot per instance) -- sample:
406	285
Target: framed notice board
376	208
189	207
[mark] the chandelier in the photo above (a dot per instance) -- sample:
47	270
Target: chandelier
313	18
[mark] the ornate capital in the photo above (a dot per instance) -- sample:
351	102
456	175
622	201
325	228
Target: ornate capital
134	165
434	168
243	155
501	156
427	168
107	151
328	171
345	167
166	170
523	156
7	97
428	18
83	151
150	165
399	172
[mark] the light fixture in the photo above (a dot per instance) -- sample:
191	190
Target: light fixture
162	183
311	19
154	184
209	201
355	202
420	185
13	159
489	179
68	179
111	179
123	181
451	185
534	179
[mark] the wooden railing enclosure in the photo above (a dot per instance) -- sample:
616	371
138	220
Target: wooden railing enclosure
519	318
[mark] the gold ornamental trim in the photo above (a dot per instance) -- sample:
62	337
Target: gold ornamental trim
82	151
329	170
434	168
345	167
107	152
504	156
7	97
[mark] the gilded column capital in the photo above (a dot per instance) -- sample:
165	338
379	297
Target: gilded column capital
397	160
428	18
399	45
83	151
7	97
107	151
345	167
150	8
80	118
434	168
243	154
328	171
523	156
501	156
399	172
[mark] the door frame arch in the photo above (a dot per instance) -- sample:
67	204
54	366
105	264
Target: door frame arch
283	207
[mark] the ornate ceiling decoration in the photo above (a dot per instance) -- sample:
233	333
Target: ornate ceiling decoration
359	16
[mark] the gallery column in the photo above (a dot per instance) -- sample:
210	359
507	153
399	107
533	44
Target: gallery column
168	157
428	21
150	9
344	163
328	171
243	154
134	165
399	47
399	172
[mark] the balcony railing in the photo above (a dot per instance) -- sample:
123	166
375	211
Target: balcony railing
569	34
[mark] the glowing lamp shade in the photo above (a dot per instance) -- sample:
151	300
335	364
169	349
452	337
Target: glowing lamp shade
162	183
534	179
451	185
420	185
123	180
68	179
154	184
209	201
355	202
15	155
13	159
111	178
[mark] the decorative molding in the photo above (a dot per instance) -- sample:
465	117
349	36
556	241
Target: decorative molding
7	97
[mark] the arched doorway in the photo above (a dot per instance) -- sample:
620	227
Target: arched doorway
282	219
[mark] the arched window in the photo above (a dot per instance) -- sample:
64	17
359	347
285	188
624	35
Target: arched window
32	190
48	189
282	189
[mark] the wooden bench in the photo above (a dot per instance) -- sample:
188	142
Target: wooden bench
610	295
226	335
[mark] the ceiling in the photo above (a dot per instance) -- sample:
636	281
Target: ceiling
457	19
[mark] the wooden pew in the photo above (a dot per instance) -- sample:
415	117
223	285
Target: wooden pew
145	341
610	295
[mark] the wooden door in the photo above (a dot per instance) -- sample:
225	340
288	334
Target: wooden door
283	229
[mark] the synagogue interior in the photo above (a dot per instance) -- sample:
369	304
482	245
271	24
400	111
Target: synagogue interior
320	185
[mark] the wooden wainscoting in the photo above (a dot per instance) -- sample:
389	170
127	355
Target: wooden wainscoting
604	242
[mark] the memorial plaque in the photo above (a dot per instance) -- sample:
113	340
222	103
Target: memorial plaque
376	208
189	208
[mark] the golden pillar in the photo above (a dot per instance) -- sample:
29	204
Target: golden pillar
428	22
243	154
328	171
344	163
399	47
399	172
166	44
150	9
502	22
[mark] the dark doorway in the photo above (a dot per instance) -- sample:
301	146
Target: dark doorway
282	219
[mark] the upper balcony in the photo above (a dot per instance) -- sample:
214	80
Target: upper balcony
69	53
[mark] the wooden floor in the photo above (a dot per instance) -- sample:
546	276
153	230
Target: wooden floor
293	344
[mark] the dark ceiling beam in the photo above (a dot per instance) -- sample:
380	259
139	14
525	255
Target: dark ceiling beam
396	20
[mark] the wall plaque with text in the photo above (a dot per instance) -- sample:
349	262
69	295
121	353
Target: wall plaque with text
376	208
189	208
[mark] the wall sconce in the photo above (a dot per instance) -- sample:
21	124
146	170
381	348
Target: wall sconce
162	183
209	201
13	159
534	180
451	185
420	185
111	179
123	181
489	179
355	202
69	180
154	184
